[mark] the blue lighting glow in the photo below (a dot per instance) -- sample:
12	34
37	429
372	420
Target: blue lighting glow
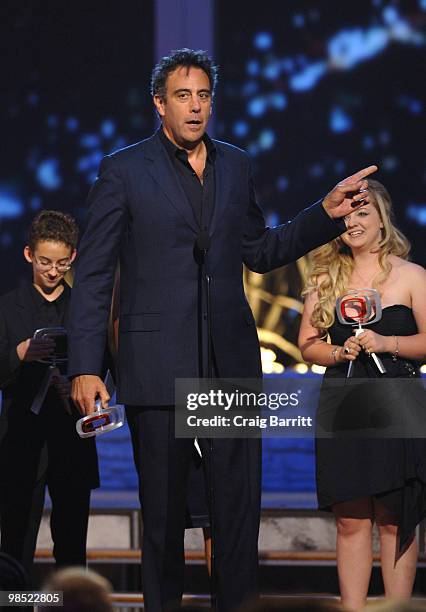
33	99
256	107
349	47
272	71
368	142
417	213
287	64
89	141
340	167
253	149
35	202
309	77
415	107
389	163
298	20
339	120
278	101
282	183
240	129
263	40
119	143
88	163
272	219
96	157
250	88
11	206
52	121
48	174
83	163
107	128
253	67
71	124
390	15
266	139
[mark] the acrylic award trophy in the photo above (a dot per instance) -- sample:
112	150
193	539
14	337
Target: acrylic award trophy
360	307
102	420
59	356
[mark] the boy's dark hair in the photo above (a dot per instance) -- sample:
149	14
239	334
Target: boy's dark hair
181	57
55	226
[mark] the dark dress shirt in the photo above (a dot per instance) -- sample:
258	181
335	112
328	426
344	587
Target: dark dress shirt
49	314
200	194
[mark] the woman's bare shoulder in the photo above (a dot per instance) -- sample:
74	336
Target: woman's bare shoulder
408	267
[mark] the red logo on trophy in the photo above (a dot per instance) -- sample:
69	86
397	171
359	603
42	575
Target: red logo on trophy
359	307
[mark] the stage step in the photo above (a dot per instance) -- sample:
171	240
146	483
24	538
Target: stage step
197	556
288	530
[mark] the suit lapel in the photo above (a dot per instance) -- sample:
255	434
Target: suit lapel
163	173
222	187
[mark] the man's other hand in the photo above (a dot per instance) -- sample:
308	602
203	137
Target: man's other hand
85	390
33	349
349	194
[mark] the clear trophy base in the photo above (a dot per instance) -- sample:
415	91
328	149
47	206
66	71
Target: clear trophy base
101	421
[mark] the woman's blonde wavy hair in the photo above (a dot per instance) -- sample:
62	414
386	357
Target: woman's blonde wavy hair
334	263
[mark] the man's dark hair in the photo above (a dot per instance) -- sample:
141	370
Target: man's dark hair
55	226
182	57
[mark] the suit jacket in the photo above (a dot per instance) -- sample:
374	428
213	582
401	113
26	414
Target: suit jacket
139	214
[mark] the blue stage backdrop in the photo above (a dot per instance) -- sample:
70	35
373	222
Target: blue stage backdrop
316	90
75	87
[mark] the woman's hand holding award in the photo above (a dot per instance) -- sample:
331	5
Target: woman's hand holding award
358	307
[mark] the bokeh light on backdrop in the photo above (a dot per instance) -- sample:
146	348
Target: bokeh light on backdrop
77	89
316	90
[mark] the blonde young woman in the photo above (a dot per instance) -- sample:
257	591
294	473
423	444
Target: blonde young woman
363	480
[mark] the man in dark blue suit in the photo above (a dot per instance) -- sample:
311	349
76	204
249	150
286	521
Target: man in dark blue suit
154	207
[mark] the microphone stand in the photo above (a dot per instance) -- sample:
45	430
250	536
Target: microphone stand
212	496
203	245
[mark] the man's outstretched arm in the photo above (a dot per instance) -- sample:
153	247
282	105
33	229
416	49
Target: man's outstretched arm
265	248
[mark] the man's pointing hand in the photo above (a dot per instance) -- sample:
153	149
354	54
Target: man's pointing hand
349	194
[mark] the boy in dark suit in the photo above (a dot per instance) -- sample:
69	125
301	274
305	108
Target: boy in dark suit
29	441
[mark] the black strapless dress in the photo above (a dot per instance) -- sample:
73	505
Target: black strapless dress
391	469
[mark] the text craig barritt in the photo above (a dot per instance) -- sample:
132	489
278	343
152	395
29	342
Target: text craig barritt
241	421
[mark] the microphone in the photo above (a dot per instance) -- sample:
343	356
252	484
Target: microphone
201	246
203	241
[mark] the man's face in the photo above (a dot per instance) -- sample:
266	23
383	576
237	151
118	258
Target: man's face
185	111
50	261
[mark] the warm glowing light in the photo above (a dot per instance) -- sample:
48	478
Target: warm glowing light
317	369
269	363
301	368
